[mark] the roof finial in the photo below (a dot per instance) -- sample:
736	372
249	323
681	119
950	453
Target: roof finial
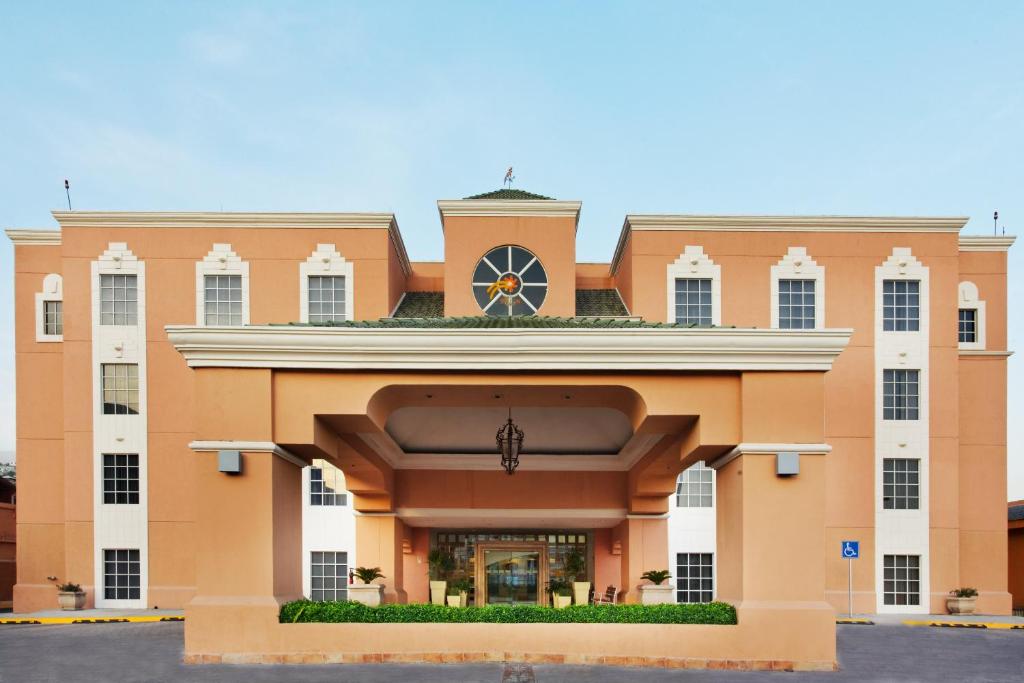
508	177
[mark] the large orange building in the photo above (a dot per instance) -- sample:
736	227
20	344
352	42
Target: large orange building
729	397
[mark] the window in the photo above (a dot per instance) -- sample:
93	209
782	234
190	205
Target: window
693	302
326	298
120	479
900	394
902	580
223	299
325	481
967	328
901	301
328	576
694	579
694	486
796	304
118	299
120	388
900	483
53	318
122	574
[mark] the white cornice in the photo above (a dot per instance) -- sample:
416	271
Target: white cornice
29	236
985	243
986	354
508	207
249	446
248	220
659	349
751	223
771	449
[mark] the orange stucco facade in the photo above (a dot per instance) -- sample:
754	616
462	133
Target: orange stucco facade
373	401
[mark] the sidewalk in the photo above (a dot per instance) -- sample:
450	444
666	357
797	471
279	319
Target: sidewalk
93	616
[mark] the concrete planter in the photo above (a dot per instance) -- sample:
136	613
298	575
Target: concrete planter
71	601
367	593
437	592
561	601
661	594
581	592
454	600
961	605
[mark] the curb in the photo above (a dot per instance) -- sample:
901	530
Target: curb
856	622
88	620
967	624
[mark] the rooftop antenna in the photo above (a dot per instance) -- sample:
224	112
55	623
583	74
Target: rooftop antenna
67	191
508	178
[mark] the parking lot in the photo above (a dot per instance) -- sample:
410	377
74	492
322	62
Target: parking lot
152	652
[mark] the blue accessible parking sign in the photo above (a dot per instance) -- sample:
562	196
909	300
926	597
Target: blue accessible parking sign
851	550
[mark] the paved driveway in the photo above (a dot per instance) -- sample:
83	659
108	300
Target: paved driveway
152	652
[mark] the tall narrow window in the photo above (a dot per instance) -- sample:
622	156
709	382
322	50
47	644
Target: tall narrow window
694	577
694	486
223	299
328	575
901	488
796	304
900	397
53	318
122	574
693	302
326	298
967	328
901	305
120	387
901	579
118	300
325	482
120	479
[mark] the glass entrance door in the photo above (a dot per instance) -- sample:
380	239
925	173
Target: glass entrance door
512	576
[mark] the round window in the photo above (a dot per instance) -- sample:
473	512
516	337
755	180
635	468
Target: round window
509	280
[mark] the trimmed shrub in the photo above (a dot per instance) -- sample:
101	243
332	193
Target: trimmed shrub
306	611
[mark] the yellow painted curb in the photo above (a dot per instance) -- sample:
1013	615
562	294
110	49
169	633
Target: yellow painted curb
89	620
866	622
967	624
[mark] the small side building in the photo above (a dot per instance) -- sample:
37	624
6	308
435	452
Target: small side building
1015	539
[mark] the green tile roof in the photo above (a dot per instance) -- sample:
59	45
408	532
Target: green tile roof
600	303
508	193
421	305
487	322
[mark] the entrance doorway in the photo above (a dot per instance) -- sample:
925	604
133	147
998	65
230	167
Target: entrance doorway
511	573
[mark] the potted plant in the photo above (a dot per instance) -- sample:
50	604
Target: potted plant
561	592
454	596
463	586
367	593
657	592
576	569
962	601
70	596
440	562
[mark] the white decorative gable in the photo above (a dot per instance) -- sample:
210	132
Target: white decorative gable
221	260
325	261
693	263
967	298
797	265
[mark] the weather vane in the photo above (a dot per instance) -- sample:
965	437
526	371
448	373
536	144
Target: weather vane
508	177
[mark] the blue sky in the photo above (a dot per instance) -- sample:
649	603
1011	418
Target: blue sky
873	108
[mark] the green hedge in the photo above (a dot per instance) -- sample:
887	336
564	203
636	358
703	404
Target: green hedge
305	611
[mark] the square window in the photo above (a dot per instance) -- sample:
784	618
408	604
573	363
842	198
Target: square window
967	328
901	301
118	300
693	302
906	588
329	575
900	394
694	486
326	298
223	297
122	574
119	386
796	304
325	484
694	577
120	479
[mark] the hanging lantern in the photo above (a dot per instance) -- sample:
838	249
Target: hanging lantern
510	442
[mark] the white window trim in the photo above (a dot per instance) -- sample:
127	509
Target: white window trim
53	290
220	261
797	265
326	261
120	526
694	264
968	298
